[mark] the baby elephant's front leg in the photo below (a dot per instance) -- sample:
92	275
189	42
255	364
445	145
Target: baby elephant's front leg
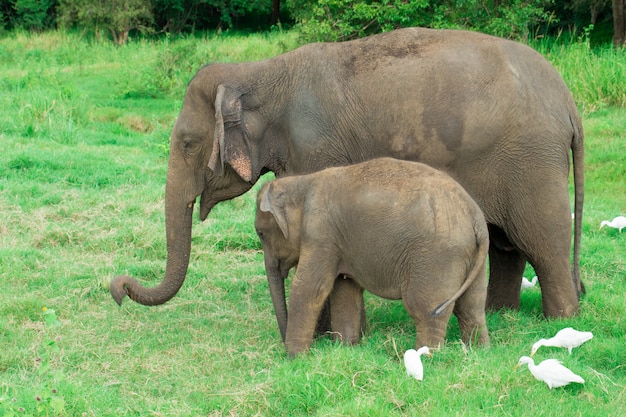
310	288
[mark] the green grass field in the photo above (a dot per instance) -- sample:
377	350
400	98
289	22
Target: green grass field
84	133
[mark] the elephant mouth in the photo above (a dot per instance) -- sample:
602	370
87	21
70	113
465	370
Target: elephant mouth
206	205
219	189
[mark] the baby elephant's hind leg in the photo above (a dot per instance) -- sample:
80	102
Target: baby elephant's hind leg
470	312
419	303
431	331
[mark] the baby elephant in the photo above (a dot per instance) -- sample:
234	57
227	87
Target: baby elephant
399	229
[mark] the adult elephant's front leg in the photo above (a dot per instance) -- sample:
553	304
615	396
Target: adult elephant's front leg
506	266
347	310
343	314
323	321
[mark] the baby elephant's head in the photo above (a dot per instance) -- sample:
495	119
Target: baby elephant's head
277	228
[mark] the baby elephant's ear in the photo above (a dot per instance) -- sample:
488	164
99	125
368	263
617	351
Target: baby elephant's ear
272	201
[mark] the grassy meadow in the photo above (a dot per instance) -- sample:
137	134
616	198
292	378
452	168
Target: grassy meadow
84	129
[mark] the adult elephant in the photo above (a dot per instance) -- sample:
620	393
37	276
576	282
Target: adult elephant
492	113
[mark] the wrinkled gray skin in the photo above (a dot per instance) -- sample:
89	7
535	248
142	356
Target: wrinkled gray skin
492	113
399	229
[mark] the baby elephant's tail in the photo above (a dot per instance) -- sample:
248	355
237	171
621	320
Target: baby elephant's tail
482	238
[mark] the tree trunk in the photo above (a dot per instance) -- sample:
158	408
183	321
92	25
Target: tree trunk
120	37
594	14
275	12
619	23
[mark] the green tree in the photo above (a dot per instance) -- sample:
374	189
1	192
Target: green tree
189	15
506	18
592	7
34	15
332	20
118	17
346	19
232	10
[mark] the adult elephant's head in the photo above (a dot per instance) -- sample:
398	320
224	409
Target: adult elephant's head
211	156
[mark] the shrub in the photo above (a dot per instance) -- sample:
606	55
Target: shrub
118	17
332	20
33	14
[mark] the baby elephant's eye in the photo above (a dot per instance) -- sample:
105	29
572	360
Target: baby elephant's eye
260	234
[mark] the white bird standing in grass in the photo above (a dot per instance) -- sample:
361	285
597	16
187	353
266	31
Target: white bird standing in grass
617	223
413	362
566	338
526	283
550	371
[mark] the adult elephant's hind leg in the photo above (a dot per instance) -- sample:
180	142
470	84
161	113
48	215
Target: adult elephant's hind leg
552	260
540	228
506	266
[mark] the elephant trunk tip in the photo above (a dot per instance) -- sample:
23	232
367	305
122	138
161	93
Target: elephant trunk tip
124	285
118	288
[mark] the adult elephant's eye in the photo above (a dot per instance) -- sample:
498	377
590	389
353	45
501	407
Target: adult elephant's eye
190	145
229	124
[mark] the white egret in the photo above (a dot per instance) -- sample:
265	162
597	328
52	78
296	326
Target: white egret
526	283
550	371
413	362
567	338
617	223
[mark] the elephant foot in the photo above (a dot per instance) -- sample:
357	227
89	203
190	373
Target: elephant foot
559	294
554	307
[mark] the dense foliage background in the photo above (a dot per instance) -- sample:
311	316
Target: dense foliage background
317	20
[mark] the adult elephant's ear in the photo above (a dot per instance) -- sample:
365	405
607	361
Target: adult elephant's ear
272	201
230	142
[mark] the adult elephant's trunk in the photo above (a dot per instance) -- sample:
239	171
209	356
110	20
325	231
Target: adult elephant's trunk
178	217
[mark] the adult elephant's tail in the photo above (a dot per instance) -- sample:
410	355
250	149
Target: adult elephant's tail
578	162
